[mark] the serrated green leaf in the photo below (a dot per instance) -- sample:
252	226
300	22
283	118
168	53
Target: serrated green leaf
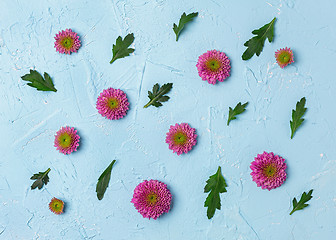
36	81
183	21
239	109
157	96
121	48
297	115
215	185
40	178
256	44
150	95
156	88
302	203
164	99
157	104
103	181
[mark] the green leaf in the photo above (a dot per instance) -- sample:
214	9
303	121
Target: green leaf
40	178
103	181
297	115
183	20
36	81
158	95
120	49
239	109
256	44
302	203
215	184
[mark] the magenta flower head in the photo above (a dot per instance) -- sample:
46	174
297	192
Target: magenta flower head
213	66
284	56
112	104
67	41
66	140
268	170
181	138
152	198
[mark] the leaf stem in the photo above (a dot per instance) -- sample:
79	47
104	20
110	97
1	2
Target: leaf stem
115	57
46	172
148	104
270	25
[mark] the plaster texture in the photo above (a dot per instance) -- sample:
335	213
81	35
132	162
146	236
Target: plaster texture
30	119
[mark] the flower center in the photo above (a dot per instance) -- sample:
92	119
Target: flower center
269	171
67	42
65	140
57	206
152	198
113	103
213	65
180	138
284	57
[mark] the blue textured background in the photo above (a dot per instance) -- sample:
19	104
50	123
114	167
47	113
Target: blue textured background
29	119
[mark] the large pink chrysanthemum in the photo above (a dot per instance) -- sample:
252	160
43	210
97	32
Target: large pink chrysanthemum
67	41
213	66
284	56
112	104
268	170
152	198
181	138
66	140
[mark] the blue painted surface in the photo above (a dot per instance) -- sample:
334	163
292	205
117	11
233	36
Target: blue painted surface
29	119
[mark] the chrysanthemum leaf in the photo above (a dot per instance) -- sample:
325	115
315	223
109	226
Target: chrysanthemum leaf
157	96
150	95
157	104
215	185
297	115
256	44
239	109
164	99
121	48
41	179
183	21
156	88
36	81
103	181
302	203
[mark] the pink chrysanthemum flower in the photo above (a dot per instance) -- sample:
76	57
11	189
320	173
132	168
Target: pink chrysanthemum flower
112	104
66	140
268	170
181	138
152	198
213	66
56	206
284	56
67	41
